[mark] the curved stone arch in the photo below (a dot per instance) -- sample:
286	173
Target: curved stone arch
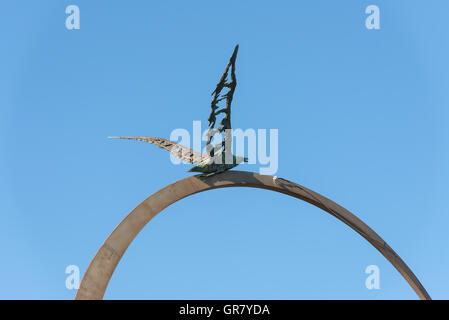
100	270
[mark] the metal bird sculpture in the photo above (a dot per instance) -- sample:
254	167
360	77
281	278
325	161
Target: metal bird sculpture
219	157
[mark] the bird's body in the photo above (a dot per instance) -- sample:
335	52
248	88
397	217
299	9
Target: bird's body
209	166
218	159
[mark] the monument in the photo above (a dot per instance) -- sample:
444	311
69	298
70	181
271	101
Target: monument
214	166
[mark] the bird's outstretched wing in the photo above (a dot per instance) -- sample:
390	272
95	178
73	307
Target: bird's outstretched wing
185	154
228	81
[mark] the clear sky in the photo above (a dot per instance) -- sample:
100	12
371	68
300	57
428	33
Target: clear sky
362	118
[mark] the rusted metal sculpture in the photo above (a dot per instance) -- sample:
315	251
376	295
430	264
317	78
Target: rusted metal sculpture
218	158
102	266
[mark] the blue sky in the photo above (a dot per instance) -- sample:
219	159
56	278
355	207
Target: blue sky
362	118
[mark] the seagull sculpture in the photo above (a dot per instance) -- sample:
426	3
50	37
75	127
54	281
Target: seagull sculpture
219	157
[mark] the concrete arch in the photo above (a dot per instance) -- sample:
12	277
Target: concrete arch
96	278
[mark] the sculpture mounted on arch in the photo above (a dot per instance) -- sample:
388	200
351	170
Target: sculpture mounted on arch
216	160
219	157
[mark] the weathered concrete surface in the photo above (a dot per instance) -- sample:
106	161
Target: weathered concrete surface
102	266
